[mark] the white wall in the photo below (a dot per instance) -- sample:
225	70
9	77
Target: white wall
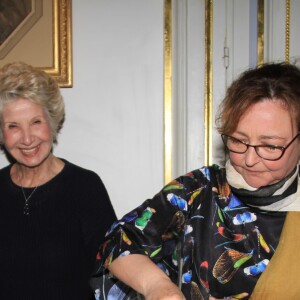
114	110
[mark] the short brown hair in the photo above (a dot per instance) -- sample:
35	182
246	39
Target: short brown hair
271	81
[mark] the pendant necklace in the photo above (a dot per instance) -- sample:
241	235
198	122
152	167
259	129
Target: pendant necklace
26	204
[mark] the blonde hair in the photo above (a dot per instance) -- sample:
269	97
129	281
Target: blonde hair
19	80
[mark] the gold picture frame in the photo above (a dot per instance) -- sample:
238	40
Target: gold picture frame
62	37
46	42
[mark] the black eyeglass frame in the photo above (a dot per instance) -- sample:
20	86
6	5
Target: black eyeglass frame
282	148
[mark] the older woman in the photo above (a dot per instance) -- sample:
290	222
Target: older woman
53	214
214	231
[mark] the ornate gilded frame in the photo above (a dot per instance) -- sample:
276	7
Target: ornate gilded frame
57	60
62	43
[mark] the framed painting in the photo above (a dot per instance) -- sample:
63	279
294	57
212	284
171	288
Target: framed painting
39	33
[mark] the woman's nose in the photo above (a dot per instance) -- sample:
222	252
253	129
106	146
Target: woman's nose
27	137
251	157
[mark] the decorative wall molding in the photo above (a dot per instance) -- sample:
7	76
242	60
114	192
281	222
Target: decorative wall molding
168	155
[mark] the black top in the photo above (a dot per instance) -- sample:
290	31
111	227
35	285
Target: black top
49	253
223	243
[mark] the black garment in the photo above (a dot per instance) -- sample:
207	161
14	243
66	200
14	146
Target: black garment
225	244
49	253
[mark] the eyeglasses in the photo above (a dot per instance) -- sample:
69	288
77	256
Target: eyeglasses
267	152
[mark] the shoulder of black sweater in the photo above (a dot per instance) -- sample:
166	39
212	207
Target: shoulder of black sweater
78	171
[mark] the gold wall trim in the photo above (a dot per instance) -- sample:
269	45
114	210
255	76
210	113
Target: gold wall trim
260	31
287	30
167	91
208	81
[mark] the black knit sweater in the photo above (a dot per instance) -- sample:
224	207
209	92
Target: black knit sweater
49	253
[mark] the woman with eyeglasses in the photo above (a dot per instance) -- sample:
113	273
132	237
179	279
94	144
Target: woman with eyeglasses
222	232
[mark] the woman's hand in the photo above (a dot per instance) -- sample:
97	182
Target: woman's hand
163	289
227	298
140	273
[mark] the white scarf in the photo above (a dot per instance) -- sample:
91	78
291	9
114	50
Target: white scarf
290	203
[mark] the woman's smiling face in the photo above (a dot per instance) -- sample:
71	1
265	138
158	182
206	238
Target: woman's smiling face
26	132
266	123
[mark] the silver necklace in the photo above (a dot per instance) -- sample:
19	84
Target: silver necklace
26	203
